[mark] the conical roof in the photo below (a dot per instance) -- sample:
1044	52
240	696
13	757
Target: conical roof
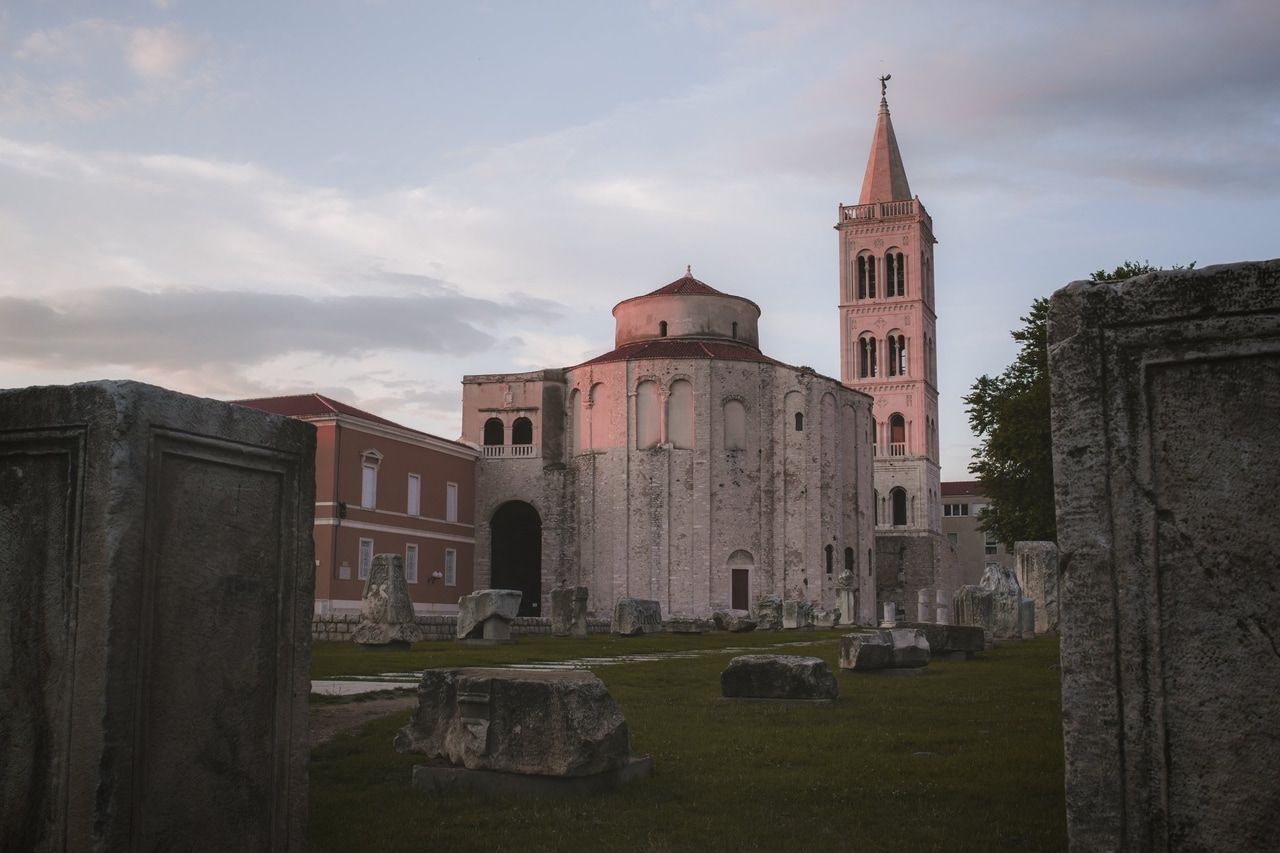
685	284
885	179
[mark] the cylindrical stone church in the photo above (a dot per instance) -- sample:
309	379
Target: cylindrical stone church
684	466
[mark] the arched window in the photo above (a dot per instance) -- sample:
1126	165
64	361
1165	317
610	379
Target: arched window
799	422
871	276
735	330
831	553
848	562
895	274
875	505
680	414
522	431
662	328
735	425
867	366
898	498
897	435
494	432
648	413
897	346
860	270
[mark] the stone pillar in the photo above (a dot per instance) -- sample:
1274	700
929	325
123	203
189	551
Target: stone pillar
1037	570
890	614
1165	405
943	615
156	589
847	597
922	605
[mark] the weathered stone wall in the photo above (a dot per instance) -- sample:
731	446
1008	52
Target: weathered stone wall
156	584
1165	405
342	626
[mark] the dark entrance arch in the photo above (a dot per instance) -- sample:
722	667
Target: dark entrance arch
515	553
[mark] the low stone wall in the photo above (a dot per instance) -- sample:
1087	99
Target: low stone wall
341	626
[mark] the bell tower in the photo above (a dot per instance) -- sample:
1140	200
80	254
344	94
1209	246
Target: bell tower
888	347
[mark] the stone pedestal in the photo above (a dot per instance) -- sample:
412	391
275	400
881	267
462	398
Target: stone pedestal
487	614
1166	436
890	615
155	621
924	599
847	597
386	611
634	616
797	614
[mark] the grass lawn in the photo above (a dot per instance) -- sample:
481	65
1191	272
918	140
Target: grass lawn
965	756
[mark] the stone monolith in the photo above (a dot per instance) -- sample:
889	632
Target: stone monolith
386	611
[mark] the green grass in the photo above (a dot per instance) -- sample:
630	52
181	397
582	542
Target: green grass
849	776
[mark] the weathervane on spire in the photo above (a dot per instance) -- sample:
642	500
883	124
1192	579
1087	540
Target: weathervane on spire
884	84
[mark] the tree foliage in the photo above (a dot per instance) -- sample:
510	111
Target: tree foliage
1009	414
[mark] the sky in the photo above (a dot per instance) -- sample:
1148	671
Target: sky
371	199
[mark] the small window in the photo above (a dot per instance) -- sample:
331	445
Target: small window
450	567
415	495
735	331
848	560
799	422
898	502
411	563
662	328
366	559
831	552
451	502
493	432
990	543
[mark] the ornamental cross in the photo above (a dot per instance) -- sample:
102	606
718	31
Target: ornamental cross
884	84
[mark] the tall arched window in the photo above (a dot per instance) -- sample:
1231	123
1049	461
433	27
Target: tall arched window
662	328
680	414
494	432
848	563
799	422
875	505
895	274
860	265
522	431
897	346
867	366
897	435
648	413
735	425
871	276
831	558
898	499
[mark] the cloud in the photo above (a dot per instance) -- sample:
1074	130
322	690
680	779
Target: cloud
159	51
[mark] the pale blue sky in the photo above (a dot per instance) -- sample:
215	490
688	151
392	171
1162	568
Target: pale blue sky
370	199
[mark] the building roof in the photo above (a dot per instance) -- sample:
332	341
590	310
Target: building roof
686	284
885	178
319	406
956	488
683	348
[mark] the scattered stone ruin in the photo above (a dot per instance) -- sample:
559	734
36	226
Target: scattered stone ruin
635	616
569	611
995	604
488	614
493	726
386	612
788	678
1166	400
884	649
155	616
1036	566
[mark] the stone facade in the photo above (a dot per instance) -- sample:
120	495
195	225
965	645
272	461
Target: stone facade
341	627
1165	401
155	590
685	466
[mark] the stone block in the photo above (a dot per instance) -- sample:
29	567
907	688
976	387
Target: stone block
542	723
785	677
386	611
569	611
1165	405
826	618
866	650
910	648
738	621
950	639
635	616
797	614
487	614
994	604
1036	565
1027	617
155	601
768	613
681	623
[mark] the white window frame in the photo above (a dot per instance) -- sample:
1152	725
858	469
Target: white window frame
450	567
413	503
450	501
411	563
370	460
362	573
990	544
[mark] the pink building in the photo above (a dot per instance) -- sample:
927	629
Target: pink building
385	488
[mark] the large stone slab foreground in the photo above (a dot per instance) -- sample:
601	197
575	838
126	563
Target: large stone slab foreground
487	614
518	721
155	621
785	677
635	616
1166	401
386	611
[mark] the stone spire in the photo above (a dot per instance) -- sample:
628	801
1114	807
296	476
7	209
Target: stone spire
885	179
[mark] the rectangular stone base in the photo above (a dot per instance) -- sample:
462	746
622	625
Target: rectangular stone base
431	779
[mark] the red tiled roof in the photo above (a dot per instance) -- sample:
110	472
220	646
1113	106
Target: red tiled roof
962	487
683	348
318	405
688	284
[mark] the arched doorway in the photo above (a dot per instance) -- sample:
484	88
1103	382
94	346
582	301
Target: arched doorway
740	565
515	553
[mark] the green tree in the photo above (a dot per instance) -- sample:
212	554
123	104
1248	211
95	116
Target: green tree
1009	414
